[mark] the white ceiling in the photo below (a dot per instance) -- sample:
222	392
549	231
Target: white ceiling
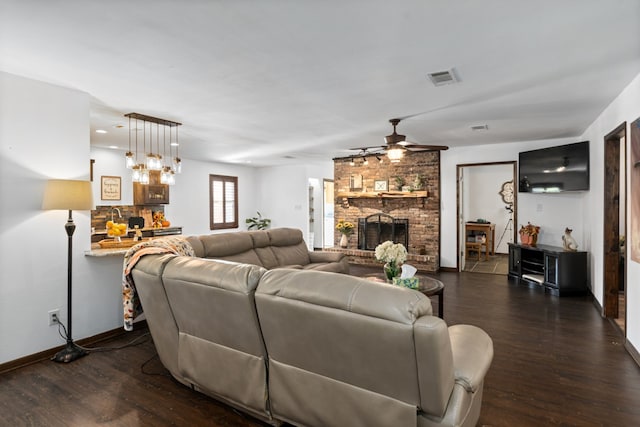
280	81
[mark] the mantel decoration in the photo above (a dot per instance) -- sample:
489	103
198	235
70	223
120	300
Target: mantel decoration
142	163
529	234
393	255
345	228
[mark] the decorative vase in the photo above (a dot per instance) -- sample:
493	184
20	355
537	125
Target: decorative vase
344	241
391	270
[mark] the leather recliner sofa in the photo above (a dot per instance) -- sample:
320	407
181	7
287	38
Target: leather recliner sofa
311	348
275	248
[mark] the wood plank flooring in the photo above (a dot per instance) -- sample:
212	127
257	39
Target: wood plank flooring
557	362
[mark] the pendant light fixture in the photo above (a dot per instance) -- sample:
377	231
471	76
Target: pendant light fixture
130	160
153	160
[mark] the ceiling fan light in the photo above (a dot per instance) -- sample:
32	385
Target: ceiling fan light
395	154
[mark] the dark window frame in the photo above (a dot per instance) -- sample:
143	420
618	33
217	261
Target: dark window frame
225	180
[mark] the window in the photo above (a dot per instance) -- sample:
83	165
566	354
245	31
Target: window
223	202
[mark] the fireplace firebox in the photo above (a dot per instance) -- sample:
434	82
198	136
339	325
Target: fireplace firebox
377	228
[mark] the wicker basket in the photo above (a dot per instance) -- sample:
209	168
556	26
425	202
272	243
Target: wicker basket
123	243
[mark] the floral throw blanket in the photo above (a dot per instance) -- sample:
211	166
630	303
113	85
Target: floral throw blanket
175	245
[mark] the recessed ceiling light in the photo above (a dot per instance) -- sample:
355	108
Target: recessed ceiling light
101	131
114	147
174	144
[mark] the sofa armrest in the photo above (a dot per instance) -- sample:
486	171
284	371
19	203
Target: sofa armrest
322	256
472	355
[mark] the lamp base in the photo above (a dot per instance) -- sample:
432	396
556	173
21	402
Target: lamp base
70	353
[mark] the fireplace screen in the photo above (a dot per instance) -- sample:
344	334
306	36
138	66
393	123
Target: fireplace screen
378	228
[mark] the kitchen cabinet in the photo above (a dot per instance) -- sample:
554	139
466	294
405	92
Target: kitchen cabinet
153	193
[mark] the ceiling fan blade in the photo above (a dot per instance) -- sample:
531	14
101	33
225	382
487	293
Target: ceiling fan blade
419	147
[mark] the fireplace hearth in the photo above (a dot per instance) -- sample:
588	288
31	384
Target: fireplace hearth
377	228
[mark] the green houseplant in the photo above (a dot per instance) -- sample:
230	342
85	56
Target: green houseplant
258	222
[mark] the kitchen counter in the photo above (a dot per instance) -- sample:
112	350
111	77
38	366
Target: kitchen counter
97	251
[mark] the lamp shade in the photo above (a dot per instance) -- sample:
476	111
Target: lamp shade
67	194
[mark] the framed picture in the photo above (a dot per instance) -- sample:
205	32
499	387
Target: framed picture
355	182
110	188
381	185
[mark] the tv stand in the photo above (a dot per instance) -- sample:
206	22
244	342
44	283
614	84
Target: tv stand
557	271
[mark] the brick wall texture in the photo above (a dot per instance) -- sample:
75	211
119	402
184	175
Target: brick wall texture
424	218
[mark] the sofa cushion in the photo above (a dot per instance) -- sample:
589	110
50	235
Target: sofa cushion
288	246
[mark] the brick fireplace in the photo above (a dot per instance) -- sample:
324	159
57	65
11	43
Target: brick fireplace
359	194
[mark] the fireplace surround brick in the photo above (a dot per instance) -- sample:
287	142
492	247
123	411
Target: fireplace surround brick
424	218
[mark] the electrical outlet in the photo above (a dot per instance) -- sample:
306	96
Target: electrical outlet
54	317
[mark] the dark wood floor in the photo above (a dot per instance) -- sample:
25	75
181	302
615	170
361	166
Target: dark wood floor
557	362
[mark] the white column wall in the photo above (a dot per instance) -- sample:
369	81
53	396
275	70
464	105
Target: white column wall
44	134
625	108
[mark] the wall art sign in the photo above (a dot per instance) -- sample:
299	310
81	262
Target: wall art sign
110	188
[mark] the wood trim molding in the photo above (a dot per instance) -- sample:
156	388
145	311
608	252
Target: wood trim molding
47	354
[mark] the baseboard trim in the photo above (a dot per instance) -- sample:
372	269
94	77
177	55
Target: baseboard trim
449	269
48	354
632	351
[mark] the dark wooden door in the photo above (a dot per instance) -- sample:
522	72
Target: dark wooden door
612	220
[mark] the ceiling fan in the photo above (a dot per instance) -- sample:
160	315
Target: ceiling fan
397	144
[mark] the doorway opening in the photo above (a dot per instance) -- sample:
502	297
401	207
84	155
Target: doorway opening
327	213
487	212
615	180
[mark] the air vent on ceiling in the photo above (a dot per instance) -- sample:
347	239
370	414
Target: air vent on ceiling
480	127
441	78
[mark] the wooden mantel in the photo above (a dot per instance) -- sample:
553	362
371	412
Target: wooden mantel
382	196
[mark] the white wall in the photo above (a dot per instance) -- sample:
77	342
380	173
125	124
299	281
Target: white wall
44	133
625	108
553	212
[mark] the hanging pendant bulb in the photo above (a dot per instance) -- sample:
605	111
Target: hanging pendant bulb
144	176
172	178
177	165
130	161
135	175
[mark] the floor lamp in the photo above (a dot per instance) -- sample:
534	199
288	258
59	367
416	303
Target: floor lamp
68	195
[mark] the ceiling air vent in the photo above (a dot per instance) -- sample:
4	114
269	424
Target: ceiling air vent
480	127
441	78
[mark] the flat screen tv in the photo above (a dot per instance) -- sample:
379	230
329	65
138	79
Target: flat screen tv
554	169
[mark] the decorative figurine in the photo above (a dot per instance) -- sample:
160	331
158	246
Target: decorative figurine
568	242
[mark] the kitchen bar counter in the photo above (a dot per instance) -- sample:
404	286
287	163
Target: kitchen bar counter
147	233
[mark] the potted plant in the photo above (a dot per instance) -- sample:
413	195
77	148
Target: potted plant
529	234
393	255
345	228
258	222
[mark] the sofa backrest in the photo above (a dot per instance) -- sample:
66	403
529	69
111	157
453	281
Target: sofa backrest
353	337
278	247
288	246
211	308
236	247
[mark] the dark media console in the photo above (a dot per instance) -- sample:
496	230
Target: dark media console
558	271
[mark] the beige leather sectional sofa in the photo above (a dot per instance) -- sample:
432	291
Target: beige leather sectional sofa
279	247
311	348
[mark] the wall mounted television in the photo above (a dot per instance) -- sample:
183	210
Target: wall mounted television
554	169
